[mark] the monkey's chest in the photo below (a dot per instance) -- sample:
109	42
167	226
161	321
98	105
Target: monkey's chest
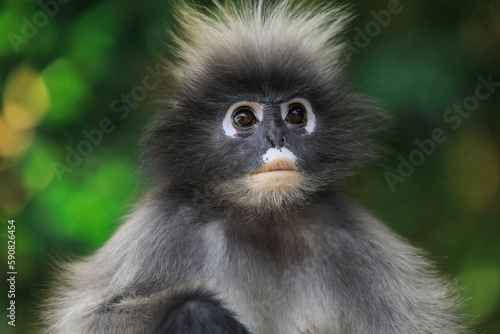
295	304
270	294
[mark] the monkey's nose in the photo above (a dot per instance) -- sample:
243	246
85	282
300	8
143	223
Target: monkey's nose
273	143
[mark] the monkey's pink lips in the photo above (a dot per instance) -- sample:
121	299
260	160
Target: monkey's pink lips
277	166
276	175
275	170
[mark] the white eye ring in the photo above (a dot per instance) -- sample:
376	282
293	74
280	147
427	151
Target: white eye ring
311	117
227	123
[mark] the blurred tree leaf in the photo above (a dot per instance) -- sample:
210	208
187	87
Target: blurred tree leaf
68	90
94	34
89	210
483	285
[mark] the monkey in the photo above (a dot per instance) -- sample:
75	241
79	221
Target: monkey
244	227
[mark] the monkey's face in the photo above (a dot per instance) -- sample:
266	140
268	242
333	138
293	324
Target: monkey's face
270	129
269	137
260	131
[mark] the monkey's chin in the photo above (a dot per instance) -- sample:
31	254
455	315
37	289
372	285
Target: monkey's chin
275	181
268	191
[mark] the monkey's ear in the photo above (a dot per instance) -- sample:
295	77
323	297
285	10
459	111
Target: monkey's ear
200	312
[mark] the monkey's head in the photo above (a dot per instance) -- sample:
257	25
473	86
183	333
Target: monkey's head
258	112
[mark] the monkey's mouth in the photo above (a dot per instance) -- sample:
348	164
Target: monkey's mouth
276	176
279	165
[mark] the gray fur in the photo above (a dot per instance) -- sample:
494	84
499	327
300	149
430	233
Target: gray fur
318	265
340	271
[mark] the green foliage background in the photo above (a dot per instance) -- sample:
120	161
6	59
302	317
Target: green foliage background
64	79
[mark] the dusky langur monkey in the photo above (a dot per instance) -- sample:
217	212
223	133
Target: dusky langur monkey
243	229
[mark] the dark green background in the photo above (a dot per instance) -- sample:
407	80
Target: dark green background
64	79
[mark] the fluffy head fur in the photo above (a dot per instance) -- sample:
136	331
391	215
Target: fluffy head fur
266	53
237	28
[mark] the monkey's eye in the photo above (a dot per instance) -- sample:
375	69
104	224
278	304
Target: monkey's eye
296	114
244	117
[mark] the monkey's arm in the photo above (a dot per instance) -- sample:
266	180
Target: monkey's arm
169	312
198	312
129	285
162	313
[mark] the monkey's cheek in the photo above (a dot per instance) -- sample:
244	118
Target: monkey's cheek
276	181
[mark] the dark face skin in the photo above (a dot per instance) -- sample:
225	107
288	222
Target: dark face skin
255	127
242	153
